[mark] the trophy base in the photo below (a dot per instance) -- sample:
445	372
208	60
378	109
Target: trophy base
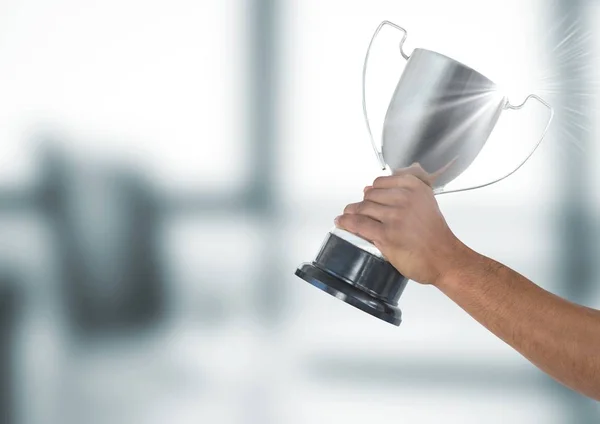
349	294
356	277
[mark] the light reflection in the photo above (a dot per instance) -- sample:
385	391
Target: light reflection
573	73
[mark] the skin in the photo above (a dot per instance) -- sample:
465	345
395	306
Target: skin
400	216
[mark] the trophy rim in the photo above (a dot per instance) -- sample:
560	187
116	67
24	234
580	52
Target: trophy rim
456	62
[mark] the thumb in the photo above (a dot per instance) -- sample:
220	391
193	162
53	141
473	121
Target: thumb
417	170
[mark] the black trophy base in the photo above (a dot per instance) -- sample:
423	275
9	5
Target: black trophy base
356	277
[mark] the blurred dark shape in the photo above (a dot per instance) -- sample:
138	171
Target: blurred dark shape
8	310
106	222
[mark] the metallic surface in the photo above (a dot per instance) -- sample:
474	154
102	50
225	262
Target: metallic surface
349	294
531	152
440	116
357	241
363	270
356	277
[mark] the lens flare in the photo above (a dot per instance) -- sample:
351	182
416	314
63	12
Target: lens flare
570	84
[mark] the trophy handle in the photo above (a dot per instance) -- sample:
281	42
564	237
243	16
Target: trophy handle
512	107
377	150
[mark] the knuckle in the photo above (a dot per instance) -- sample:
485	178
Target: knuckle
379	181
352	209
361	207
358	224
366	228
411	181
367	205
347	222
417	182
378	195
401	193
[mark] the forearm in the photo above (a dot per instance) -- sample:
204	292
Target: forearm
400	215
561	338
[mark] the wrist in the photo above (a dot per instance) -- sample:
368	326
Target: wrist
461	259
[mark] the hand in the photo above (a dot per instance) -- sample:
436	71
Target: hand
401	217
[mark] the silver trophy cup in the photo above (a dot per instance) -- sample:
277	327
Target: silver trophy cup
440	116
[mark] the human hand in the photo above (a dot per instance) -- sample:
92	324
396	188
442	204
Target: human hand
400	216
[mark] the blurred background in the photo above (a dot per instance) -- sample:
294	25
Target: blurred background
166	166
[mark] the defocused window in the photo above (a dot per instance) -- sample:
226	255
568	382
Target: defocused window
159	82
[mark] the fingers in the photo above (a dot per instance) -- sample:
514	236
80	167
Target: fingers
406	181
362	226
381	202
416	170
387	196
373	210
406	177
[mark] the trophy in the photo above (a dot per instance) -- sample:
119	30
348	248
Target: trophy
440	116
